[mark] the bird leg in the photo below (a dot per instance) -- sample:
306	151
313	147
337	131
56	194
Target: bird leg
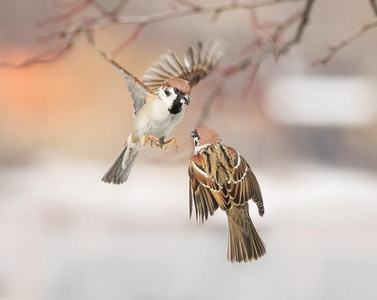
154	141
170	143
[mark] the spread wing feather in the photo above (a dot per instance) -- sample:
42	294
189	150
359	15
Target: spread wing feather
244	185
174	63
253	191
197	66
198	63
204	192
138	92
189	57
207	192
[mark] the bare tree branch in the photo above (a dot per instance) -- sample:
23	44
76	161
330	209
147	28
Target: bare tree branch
268	37
132	37
216	93
111	17
74	9
300	30
113	13
218	89
266	49
374	6
183	12
345	41
90	39
250	80
264	44
188	4
46	57
281	28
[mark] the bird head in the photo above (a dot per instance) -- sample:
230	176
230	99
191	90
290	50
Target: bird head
204	137
176	90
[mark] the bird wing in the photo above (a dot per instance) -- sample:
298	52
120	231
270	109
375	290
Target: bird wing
139	91
198	63
204	192
244	185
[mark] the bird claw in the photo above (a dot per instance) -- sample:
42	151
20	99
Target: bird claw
171	142
157	142
154	141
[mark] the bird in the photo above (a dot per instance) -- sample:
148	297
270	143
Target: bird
220	177
159	99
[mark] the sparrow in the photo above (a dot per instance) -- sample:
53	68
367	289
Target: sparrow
159	100
220	177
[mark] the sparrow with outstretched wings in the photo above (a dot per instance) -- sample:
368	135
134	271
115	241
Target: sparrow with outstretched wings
159	99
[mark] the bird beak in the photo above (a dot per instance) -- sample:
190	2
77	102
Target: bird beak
185	100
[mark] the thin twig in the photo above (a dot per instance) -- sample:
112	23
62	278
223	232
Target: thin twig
188	4
119	6
122	70
250	81
218	89
373	3
300	29
261	45
216	92
74	10
255	59
133	36
185	12
110	18
46	57
345	41
103	10
282	27
110	14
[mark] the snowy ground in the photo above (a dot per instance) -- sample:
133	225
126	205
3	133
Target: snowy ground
66	235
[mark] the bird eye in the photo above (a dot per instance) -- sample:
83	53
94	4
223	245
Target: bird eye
167	93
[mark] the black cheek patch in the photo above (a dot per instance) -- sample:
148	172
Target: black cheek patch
176	107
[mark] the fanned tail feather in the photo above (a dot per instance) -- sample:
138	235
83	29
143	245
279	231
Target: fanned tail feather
244	243
117	173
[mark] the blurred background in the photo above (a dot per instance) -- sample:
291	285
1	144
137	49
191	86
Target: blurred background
309	133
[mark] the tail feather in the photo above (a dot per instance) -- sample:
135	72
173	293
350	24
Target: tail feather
118	173
244	243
